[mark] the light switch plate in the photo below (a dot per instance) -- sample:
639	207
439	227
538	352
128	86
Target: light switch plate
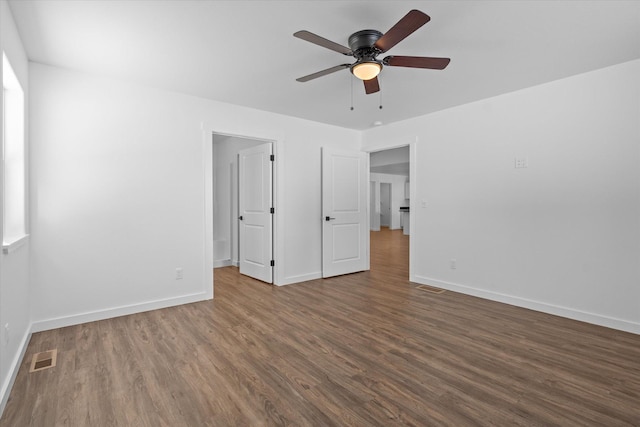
521	162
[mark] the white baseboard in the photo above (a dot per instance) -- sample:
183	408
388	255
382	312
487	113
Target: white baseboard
13	370
570	313
222	263
290	280
76	319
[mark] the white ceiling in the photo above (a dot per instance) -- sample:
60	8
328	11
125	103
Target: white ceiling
394	161
243	52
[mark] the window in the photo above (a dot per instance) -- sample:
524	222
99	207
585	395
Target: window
13	157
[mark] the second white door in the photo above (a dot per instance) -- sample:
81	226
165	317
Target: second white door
345	230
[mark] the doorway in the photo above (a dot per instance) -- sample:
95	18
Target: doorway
226	202
390	173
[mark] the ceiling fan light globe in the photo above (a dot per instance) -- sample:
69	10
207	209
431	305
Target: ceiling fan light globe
366	70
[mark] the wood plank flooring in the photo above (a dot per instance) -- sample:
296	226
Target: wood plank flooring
366	349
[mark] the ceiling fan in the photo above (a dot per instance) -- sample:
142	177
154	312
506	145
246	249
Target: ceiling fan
366	45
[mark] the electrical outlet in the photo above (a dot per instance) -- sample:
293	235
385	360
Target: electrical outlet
454	264
179	273
6	334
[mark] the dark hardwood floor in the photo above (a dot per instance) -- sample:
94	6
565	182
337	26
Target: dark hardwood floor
366	349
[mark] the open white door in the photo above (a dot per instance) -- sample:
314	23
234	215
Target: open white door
345	234
255	203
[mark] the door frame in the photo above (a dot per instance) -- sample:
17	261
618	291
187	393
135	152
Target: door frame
374	205
413	147
208	129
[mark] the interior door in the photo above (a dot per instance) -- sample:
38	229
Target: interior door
385	204
345	235
255	203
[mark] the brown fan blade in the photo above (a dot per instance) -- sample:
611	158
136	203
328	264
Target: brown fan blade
371	86
417	62
407	25
321	41
323	73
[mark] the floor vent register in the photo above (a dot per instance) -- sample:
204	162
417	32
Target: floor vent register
430	289
43	360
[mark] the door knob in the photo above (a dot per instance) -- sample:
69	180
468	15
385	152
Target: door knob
240	217
328	218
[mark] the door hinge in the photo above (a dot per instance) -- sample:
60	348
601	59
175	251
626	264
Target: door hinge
273	210
273	263
272	157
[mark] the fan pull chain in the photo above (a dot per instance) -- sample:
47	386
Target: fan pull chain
380	100
351	80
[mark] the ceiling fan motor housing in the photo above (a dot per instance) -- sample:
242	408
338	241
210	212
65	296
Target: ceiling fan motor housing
361	44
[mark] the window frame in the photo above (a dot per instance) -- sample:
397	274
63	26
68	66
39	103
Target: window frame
14	182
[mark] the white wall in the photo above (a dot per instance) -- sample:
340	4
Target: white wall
119	201
117	194
298	198
14	266
560	236
397	194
